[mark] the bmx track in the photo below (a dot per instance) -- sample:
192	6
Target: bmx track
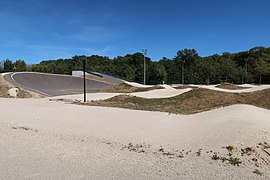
52	84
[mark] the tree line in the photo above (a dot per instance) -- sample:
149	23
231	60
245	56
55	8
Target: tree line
187	67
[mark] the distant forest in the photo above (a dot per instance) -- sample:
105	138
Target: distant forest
252	66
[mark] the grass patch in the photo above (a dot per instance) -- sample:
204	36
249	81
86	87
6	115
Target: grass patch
126	88
234	161
231	86
121	88
194	101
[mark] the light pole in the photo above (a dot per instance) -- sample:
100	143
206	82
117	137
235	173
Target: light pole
144	51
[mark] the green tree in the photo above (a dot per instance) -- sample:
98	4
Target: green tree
20	65
40	68
185	58
1	66
172	71
156	73
121	68
8	66
186	67
262	68
227	67
208	69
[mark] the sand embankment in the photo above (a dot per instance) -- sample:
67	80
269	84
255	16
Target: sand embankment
43	139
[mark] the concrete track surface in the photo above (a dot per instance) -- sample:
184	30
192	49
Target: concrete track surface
52	84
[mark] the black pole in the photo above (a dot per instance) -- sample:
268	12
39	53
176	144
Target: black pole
183	78
84	84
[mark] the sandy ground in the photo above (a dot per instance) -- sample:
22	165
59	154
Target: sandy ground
43	139
167	92
89	96
47	139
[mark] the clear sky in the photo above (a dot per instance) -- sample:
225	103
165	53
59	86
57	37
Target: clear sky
36	30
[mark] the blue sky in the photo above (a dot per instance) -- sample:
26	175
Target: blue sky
36	30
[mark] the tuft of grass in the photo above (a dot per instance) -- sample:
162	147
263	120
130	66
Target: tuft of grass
235	161
256	171
247	151
230	148
223	159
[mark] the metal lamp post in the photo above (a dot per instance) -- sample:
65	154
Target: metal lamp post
144	51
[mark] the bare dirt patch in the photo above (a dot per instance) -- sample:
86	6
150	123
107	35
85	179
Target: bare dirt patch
231	86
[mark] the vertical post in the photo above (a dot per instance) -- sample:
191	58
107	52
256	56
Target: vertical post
183	78
84	83
144	66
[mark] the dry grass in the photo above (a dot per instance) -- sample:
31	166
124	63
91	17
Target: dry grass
230	86
121	88
195	101
185	87
95	78
126	88
4	91
4	87
23	94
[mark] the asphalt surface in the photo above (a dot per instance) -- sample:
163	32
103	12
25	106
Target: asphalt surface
111	80
52	84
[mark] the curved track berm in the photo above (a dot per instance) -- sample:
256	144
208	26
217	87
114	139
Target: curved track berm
52	84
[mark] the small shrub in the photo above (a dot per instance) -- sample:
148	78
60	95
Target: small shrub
246	151
223	159
230	148
235	161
